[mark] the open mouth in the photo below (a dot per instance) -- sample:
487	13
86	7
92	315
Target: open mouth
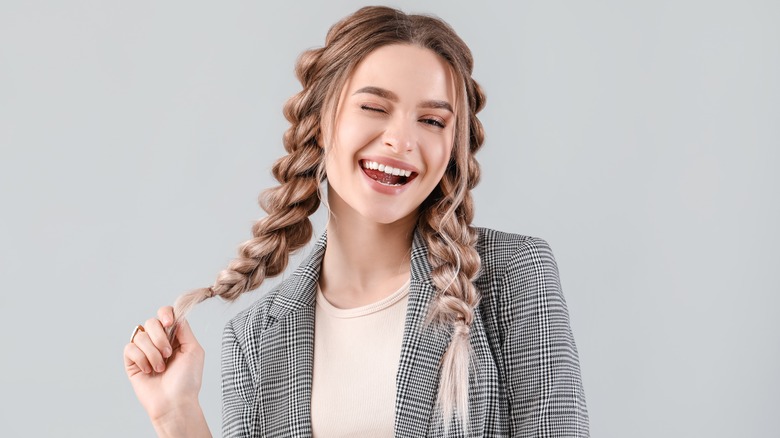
387	175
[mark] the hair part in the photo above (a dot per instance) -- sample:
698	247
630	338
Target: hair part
445	217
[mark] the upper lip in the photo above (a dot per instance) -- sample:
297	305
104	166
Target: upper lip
392	163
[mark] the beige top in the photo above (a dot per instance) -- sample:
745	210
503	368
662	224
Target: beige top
356	354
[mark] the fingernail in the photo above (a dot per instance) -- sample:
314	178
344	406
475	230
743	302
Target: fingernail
160	368
167	352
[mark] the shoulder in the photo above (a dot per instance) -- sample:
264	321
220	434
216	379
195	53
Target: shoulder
500	251
518	279
248	322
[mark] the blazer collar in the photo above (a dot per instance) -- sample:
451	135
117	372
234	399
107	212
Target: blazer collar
421	349
299	291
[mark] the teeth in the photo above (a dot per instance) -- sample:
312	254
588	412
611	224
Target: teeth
386	169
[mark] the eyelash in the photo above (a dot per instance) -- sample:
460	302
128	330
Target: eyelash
371	108
432	122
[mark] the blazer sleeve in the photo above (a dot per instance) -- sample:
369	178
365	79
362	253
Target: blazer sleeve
542	369
237	387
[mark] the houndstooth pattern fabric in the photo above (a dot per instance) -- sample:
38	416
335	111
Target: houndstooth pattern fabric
525	377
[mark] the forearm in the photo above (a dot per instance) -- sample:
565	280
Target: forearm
187	421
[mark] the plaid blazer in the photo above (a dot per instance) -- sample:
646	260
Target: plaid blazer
525	377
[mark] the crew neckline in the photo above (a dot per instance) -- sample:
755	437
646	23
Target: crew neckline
368	309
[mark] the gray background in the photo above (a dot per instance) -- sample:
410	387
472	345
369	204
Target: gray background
641	139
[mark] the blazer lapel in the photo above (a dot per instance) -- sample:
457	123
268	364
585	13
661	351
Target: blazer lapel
417	382
287	348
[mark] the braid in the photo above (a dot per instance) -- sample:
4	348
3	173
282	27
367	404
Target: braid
455	264
287	227
446	227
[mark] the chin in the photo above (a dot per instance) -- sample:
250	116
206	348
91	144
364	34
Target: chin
388	217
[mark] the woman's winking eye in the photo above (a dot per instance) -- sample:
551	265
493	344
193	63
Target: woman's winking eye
432	121
372	108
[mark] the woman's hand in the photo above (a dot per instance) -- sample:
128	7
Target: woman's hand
166	378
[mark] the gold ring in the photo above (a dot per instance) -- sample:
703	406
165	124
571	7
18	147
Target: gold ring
138	328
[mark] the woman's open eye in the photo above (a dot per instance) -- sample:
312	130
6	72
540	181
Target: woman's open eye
433	122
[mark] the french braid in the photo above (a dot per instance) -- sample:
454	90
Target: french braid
446	226
287	227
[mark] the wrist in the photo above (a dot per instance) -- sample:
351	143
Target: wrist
186	420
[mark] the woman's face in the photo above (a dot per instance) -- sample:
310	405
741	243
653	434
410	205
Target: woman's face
393	135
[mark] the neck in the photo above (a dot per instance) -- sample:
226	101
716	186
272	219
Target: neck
364	261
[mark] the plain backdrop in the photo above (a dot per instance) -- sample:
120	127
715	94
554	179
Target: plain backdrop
641	139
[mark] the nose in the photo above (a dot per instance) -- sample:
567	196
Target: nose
399	135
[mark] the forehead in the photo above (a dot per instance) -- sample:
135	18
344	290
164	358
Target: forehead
411	72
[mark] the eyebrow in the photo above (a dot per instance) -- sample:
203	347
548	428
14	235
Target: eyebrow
389	95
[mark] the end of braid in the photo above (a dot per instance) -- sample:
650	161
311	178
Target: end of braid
453	396
186	302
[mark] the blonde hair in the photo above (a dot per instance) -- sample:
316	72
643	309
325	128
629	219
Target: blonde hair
445	216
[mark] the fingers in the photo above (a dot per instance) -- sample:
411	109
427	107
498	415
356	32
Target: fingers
156	331
150	348
153	343
134	357
144	342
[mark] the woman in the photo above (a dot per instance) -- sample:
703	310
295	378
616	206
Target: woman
405	320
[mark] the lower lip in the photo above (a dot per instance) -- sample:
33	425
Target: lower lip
381	188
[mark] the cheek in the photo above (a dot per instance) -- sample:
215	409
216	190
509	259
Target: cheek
354	133
438	157
336	162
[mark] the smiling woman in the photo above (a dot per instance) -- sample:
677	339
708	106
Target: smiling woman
405	320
